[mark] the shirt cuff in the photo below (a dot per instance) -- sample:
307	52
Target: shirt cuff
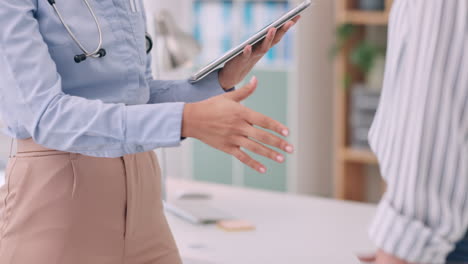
407	238
185	91
154	126
230	90
212	81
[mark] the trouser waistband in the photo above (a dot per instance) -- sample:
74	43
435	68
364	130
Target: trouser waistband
20	146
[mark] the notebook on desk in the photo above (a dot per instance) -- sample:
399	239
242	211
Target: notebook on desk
196	211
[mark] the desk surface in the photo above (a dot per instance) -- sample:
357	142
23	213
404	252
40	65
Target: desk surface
289	228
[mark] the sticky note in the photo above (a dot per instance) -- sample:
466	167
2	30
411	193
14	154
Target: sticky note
235	225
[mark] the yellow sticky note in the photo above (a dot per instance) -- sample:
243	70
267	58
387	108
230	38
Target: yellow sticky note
235	225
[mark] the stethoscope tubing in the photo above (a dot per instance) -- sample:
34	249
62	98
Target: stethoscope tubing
99	52
95	53
149	43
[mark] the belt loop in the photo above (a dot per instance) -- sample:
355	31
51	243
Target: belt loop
13	148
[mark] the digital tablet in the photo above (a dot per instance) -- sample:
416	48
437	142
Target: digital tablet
259	36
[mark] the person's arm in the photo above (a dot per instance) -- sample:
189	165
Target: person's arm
420	134
31	89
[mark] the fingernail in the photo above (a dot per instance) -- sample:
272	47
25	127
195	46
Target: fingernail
279	158
252	81
289	149
262	170
285	132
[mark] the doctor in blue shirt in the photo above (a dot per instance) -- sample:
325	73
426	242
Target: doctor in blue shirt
77	92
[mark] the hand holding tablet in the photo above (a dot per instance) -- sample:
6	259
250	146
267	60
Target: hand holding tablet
258	37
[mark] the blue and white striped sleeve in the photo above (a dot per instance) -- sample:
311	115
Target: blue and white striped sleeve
420	133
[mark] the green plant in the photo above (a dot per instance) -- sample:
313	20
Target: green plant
343	33
362	55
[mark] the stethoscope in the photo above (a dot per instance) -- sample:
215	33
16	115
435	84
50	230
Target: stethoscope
99	52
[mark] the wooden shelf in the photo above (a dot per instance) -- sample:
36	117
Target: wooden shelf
350	163
359	156
359	17
346	12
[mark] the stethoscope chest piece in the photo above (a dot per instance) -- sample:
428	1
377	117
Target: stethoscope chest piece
99	52
82	57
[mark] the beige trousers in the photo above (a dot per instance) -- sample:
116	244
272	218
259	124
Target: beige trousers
64	208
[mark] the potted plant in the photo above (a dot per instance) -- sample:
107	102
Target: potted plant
367	57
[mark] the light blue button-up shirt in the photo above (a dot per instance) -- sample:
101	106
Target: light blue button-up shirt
105	107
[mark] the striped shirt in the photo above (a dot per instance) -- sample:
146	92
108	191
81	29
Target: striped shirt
420	133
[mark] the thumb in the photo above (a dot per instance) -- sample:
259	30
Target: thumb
244	92
368	258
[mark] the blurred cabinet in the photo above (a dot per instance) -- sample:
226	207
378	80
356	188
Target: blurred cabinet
351	163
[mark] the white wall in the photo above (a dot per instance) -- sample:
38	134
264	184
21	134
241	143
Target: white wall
314	105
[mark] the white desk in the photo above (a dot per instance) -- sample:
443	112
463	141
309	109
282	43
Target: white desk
290	229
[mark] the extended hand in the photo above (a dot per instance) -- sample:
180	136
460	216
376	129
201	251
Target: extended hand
225	124
235	70
382	258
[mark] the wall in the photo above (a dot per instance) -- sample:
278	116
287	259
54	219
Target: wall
314	105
